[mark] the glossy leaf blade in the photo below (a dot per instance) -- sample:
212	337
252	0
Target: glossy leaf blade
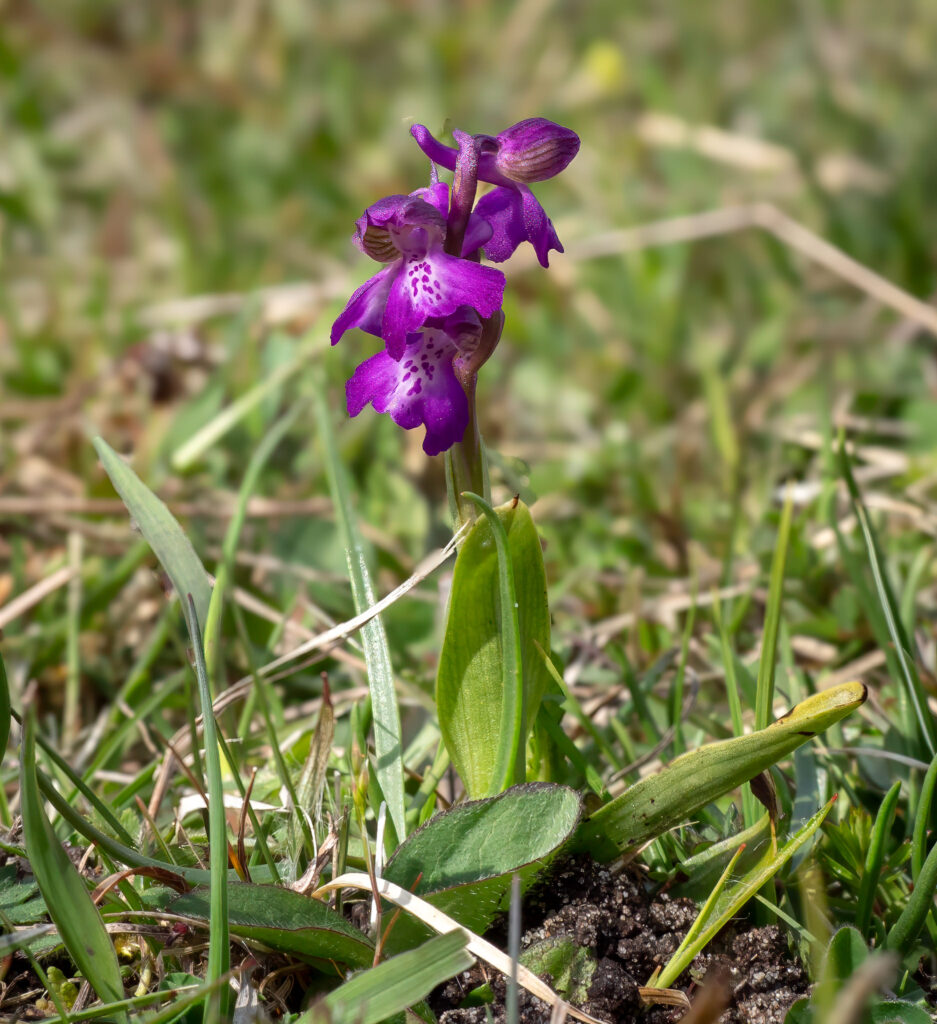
159	527
394	985
659	802
78	922
470	696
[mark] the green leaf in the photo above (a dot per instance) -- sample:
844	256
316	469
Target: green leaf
896	1011
5	709
875	857
900	646
394	985
569	965
659	802
922	817
388	743
159	527
219	941
470	695
727	904
78	922
905	930
461	861
845	954
509	756
283	920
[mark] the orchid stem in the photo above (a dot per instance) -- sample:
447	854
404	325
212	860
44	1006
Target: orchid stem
467	468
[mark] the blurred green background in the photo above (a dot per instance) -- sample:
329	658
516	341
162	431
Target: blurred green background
653	400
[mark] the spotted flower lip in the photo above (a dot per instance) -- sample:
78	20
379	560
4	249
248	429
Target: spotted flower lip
421	388
531	150
421	281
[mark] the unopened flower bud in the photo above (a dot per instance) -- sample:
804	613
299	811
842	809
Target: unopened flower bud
535	149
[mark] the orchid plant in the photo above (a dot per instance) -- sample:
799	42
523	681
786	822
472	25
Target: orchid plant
437	308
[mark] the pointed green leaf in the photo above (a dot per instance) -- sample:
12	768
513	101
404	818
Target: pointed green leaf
470	695
159	527
659	802
283	920
462	860
78	922
394	985
729	902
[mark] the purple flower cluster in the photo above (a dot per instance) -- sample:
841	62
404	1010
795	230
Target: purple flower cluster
436	307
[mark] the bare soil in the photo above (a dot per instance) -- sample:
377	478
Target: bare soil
631	931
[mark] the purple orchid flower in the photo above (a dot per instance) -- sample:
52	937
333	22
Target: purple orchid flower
421	387
421	281
531	150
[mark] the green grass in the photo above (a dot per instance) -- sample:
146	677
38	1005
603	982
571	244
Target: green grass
651	406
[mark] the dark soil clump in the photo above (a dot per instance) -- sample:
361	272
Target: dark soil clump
630	932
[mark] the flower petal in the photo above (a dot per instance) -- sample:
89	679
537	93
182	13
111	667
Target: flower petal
436	286
440	154
436	195
515	216
419	389
365	309
477	233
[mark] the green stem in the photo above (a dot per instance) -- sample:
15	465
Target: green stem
467	467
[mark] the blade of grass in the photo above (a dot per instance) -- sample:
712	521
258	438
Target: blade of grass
509	763
731	901
571	752
67	900
388	743
906	929
767	661
572	707
922	819
159	527
219	953
676	696
728	664
6	711
875	857
914	691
